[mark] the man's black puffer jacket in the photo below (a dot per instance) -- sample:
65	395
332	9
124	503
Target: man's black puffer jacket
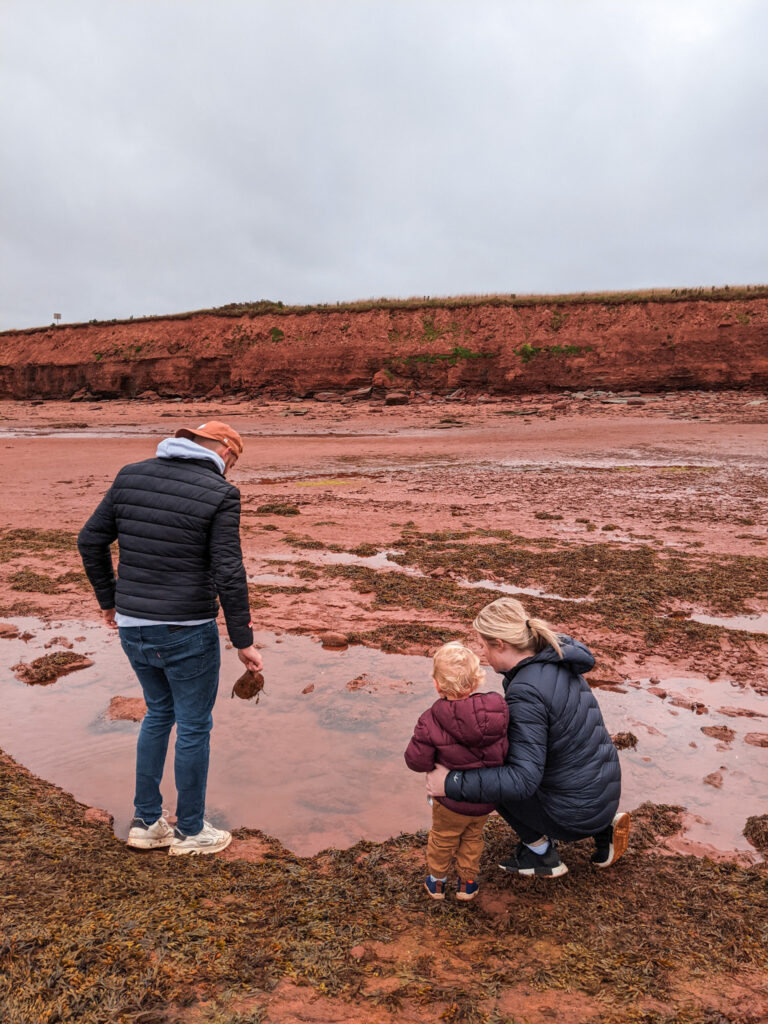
559	748
177	524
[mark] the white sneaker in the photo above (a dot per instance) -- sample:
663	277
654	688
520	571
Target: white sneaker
149	837
207	840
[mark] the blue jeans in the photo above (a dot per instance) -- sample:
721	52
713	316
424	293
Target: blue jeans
178	668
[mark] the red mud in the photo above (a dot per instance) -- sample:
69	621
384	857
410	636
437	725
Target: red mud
505	348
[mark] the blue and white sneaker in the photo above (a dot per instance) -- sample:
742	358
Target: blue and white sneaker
435	887
466	889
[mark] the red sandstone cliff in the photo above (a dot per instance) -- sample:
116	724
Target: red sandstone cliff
501	347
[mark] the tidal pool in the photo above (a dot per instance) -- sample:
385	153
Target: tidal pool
325	768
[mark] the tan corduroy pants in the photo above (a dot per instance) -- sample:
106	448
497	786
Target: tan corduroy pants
454	835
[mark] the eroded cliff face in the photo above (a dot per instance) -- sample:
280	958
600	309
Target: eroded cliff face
496	348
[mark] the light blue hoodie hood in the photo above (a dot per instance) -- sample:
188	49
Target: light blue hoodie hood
183	448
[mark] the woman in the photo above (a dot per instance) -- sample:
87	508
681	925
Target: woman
561	779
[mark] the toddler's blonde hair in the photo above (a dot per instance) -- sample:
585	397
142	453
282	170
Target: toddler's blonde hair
457	670
506	620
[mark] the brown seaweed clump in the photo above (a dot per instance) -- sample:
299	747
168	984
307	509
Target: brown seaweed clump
625	741
756	832
96	934
47	669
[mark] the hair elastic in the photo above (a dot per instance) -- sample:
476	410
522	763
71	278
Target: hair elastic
527	623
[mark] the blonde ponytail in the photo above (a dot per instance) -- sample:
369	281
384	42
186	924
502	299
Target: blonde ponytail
506	620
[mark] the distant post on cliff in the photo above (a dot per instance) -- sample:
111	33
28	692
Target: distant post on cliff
57	317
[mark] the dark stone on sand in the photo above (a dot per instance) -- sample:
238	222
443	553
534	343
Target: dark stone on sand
8	631
625	741
396	398
757	739
719	732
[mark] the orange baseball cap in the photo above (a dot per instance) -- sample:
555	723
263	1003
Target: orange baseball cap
215	431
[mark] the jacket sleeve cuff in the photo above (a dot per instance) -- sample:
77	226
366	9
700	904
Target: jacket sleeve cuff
453	785
242	637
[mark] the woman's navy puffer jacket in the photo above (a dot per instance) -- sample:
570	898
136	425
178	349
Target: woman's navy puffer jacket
559	747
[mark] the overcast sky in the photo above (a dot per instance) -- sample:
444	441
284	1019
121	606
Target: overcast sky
167	155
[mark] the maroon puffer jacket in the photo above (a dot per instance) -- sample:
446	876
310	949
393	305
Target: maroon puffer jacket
461	734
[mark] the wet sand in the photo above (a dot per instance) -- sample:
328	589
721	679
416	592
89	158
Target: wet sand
607	474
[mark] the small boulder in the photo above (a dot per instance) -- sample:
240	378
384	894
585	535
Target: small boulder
396	398
8	631
757	739
126	709
333	641
360	393
714	779
719	732
327	396
309	688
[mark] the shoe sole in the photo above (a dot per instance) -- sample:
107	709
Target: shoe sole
176	851
148	844
465	896
622	824
556	872
434	895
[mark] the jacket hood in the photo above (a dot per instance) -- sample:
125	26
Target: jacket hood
474	721
577	657
182	448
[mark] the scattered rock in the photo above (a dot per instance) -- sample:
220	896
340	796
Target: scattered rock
250	684
308	689
396	398
216	392
714	779
757	739
657	691
741	713
625	741
81	395
360	393
8	631
95	815
358	952
334	641
359	682
691	705
327	396
149	396
719	732
61	641
126	709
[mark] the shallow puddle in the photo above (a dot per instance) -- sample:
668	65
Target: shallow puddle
757	623
325	768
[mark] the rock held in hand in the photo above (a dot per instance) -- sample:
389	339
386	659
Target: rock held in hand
249	685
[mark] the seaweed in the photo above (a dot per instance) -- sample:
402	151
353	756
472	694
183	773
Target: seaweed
98	934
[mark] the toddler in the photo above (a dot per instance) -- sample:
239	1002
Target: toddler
463	729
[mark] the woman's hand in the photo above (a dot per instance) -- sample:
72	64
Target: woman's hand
436	781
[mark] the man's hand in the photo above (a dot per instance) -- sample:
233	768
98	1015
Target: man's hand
108	615
251	658
436	780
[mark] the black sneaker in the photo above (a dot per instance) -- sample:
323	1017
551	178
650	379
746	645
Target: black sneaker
612	842
525	862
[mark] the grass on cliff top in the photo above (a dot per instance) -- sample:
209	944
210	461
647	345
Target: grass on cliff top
95	933
269	307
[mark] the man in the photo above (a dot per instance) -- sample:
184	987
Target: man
177	523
